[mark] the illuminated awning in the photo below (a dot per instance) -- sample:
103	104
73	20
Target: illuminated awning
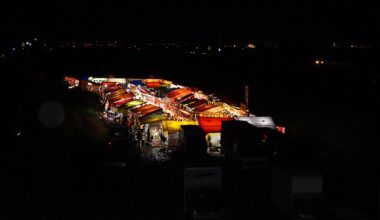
131	104
115	94
145	109
197	104
123	96
178	93
174	126
153	83
203	108
153	119
149	110
122	102
211	125
188	102
154	115
112	88
216	110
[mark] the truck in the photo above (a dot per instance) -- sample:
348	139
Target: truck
250	147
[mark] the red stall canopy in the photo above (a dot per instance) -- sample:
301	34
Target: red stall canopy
153	83
112	88
212	125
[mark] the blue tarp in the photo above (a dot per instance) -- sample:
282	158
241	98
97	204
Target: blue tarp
137	82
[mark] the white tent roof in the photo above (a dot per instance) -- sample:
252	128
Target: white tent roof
260	122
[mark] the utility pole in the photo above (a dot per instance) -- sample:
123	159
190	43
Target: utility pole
246	95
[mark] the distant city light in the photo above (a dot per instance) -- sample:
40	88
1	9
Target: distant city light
319	61
251	46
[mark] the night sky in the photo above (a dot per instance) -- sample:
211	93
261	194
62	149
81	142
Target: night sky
300	22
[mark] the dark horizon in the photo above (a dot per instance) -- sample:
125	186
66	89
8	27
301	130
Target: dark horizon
290	23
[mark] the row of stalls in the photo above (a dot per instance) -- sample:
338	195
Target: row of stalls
155	109
182	106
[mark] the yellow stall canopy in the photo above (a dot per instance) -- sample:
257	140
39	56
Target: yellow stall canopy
129	105
154	119
132	104
175	126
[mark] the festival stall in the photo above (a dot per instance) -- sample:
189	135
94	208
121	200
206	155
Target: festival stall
171	131
213	128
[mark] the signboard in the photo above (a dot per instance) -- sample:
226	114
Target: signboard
155	135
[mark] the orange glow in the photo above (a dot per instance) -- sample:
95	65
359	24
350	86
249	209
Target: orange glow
251	46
